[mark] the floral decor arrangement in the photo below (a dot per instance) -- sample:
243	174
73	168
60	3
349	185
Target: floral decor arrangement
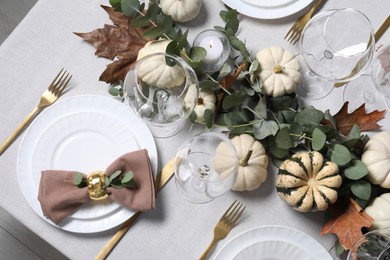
256	97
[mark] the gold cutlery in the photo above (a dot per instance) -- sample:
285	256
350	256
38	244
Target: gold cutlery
225	225
51	94
378	34
295	31
164	176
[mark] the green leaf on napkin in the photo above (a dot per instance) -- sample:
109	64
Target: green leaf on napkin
79	180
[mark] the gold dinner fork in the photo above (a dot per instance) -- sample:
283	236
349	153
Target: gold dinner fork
295	31
51	94
225	224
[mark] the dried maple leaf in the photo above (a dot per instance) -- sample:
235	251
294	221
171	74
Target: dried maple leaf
346	222
345	121
119	41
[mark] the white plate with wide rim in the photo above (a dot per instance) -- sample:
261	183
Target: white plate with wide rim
304	244
82	133
268	9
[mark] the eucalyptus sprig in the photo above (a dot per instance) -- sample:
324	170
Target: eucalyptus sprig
116	180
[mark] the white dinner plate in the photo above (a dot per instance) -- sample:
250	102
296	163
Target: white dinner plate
82	133
267	9
253	241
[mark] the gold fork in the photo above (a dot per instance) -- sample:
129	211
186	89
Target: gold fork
51	94
295	31
225	224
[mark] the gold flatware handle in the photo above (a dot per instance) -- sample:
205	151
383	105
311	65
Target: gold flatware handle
17	131
378	34
162	179
382	29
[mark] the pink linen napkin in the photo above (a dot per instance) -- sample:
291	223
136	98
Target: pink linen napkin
60	197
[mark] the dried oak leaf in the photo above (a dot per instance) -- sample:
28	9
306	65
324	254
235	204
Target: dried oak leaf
347	220
119	41
345	121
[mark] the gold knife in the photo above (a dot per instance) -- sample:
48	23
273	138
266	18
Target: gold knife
378	34
161	180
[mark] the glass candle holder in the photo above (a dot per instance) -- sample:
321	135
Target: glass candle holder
217	46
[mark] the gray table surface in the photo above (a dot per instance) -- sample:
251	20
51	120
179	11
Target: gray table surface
44	42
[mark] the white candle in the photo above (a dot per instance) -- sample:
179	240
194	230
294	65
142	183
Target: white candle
214	48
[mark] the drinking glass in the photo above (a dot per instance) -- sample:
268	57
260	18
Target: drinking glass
206	167
373	87
372	245
336	46
156	87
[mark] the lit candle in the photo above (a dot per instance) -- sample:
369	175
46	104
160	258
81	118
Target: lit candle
214	48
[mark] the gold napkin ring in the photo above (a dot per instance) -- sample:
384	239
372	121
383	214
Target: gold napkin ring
97	186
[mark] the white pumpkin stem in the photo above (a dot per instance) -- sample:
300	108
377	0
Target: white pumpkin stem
244	162
278	69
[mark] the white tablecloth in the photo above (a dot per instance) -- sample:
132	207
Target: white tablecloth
44	42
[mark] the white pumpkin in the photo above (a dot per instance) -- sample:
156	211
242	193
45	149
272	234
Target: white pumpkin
181	10
155	71
205	100
379	210
376	156
279	71
252	171
307	183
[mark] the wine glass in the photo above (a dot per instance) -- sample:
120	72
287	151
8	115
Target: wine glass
206	167
373	87
372	245
156	87
336	46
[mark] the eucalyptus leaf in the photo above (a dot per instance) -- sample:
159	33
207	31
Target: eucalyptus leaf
355	132
287	115
140	21
339	249
153	10
329	117
154	32
232	24
130	7
116	183
182	42
356	170
167	23
233	100
208	118
283	139
309	116
115	175
172	48
280	103
197	54
361	189
116	4
192	117
319	139
78	179
265	128
261	108
225	70
341	155
113	91
279	152
208	84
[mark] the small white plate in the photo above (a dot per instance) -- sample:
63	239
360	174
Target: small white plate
82	133
253	241
268	9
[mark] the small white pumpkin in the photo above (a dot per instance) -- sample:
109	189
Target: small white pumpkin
379	210
307	183
279	71
181	10
205	100
155	71
252	171
376	156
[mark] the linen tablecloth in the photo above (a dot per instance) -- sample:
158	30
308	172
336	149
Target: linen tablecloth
44	42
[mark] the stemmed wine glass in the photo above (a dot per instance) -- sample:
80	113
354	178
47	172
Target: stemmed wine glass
206	167
156	87
336	46
373	87
373	245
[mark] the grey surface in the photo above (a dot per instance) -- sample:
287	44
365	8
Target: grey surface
11	13
19	242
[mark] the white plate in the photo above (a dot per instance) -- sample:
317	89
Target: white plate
305	245
276	250
83	133
267	9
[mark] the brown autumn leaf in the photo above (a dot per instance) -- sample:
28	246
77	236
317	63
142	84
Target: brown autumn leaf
345	121
119	41
347	220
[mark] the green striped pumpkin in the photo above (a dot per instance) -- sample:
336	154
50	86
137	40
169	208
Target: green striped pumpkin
308	183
